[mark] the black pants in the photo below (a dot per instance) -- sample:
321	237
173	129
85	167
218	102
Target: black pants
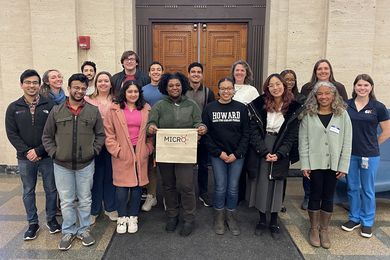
322	187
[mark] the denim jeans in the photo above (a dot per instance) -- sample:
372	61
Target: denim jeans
203	173
226	178
68	182
122	194
362	210
103	189
28	172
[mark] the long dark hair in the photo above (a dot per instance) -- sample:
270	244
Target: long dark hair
367	78
295	88
120	99
314	78
166	77
270	104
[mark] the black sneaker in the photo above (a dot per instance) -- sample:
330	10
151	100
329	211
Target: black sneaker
86	238
366	231
171	224
350	225
53	226
31	232
207	202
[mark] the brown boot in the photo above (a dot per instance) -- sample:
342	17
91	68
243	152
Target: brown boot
314	216
219	224
231	220
324	223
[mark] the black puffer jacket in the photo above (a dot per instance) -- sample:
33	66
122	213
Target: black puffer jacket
283	143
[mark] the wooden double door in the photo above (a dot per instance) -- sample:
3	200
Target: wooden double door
215	45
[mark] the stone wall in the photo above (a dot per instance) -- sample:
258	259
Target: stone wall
353	35
42	34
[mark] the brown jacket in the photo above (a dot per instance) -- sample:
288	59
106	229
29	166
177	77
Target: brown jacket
118	144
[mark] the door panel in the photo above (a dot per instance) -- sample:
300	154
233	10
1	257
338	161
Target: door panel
175	46
220	45
223	44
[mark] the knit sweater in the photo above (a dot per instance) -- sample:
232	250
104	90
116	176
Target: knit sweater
323	148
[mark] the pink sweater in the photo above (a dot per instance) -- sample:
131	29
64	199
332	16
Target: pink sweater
134	120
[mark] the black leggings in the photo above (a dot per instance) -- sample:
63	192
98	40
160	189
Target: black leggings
322	187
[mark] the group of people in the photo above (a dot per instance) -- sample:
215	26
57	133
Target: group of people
97	146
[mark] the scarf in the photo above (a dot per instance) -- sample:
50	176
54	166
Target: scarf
60	98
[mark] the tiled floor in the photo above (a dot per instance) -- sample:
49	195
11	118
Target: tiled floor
345	245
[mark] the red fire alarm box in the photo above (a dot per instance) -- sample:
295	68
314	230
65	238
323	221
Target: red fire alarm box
84	42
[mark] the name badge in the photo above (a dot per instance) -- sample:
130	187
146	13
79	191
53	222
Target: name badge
334	129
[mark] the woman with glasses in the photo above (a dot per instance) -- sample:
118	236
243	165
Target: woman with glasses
227	141
273	128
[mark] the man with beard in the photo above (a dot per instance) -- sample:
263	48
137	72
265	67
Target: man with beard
72	136
89	70
202	96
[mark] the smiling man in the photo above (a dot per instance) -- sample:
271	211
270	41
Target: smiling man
73	135
89	70
24	122
130	62
202	96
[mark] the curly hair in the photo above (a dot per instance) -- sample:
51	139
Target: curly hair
312	107
166	77
249	74
295	88
112	89
120	99
367	78
270	104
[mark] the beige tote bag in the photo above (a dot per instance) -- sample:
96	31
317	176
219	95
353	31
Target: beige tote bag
176	145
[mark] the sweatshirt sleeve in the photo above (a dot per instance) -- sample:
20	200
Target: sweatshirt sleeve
197	116
153	118
207	139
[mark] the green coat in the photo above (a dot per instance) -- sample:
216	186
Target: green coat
185	113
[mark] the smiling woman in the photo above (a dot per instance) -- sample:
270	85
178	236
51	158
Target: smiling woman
325	140
52	86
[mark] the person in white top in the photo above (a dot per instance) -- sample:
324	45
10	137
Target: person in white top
242	76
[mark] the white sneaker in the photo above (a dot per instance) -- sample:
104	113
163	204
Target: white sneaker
113	215
121	225
133	224
149	203
93	219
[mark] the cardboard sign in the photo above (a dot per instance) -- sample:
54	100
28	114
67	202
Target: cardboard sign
176	145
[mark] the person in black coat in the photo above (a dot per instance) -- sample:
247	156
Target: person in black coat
273	128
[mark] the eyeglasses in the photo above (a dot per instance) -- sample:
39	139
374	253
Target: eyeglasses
290	80
228	88
129	60
78	89
31	82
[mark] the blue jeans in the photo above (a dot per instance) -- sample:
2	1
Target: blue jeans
203	173
306	187
226	177
122	193
103	188
356	177
28	172
68	182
